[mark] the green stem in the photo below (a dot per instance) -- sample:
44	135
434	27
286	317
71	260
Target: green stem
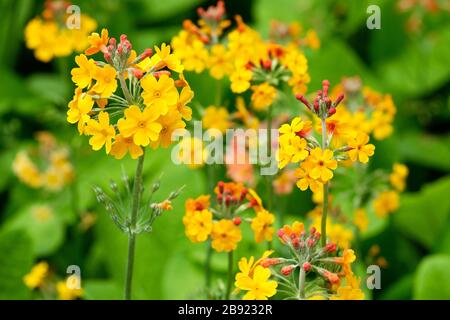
124	87
137	190
325	188
209	252
301	283
230	275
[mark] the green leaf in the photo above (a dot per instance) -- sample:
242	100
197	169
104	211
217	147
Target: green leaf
101	290
46	232
423	215
432	281
400	290
16	259
49	87
432	151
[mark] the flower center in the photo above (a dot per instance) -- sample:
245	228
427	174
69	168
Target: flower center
157	94
141	124
321	163
107	79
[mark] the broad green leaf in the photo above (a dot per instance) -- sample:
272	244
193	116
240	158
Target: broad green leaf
432	281
50	87
400	290
44	227
423	215
16	259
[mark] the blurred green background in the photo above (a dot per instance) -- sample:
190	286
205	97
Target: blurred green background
412	66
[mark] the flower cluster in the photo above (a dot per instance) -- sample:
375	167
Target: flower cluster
49	36
244	56
222	222
41	279
151	107
324	272
46	166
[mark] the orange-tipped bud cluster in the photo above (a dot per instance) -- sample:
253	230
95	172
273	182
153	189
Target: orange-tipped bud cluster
230	193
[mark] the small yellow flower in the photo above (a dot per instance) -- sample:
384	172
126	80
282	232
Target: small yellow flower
141	125
163	58
360	220
219	62
169	123
37	275
122	145
101	131
398	176
259	286
322	164
83	75
26	170
351	291
97	42
225	235
386	202
185	97
198	225
216	118
240	80
263	96
79	107
69	293
106	83
360	149
305	180
159	93
262	226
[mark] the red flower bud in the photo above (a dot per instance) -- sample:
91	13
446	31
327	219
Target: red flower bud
237	221
317	235
312	230
147	53
221	186
280	233
310	242
307	266
267	64
339	99
330	247
325	85
227	200
138	73
331	111
287	270
123	37
303	100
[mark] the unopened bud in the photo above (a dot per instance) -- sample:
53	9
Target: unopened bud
325	85
339	99
287	270
221	186
303	100
307	266
330	247
331	111
237	221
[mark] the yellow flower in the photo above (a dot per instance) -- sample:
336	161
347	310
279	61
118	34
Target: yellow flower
360	150
259	286
263	96
361	220
122	145
141	125
163	58
101	131
386	202
69	293
322	164
295	229
262	226
169	123
219	62
201	203
159	93
297	149
217	118
97	42
297	127
79	107
240	80
37	275
225	235
198	225
351	291
247	267
106	83
83	75
398	176
26	170
305	181
185	97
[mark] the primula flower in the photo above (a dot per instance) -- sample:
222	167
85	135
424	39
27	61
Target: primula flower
101	131
66	293
198	225
305	180
225	235
386	202
35	278
185	97
298	127
360	150
262	226
263	96
169	123
216	118
162	58
79	108
141	125
220	62
122	145
398	176
83	75
322	163
106	83
351	291
259	286
360	220
240	80
97	42
159	93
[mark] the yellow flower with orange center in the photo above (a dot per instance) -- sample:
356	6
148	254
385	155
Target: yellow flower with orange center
262	226
225	235
322	164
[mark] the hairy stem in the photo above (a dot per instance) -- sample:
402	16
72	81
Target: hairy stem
301	283
230	275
